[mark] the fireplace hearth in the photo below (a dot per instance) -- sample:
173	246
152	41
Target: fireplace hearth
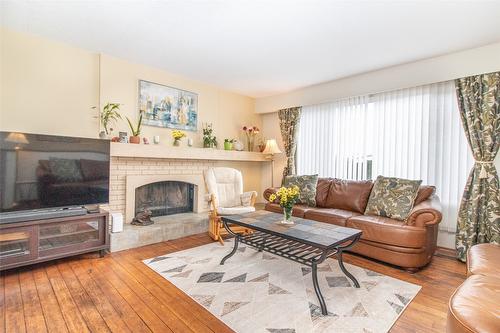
165	198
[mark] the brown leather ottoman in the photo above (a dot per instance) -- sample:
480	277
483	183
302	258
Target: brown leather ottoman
475	306
484	259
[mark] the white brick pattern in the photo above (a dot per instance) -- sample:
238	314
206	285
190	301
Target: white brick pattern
121	167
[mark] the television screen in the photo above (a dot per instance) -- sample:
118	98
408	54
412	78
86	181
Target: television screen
45	171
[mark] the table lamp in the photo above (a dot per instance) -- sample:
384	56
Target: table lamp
271	149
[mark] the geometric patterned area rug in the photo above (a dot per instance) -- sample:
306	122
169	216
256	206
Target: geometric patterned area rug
257	292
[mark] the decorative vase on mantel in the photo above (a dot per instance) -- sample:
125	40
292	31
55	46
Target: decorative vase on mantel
250	143
250	132
134	139
177	136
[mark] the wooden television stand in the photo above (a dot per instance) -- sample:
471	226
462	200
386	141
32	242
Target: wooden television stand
30	242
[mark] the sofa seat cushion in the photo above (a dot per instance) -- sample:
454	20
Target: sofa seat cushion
388	231
349	194
474	306
298	210
330	215
484	259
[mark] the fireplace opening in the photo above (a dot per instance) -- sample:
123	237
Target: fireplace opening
165	198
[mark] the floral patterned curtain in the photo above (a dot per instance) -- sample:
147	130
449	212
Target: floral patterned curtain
479	214
289	125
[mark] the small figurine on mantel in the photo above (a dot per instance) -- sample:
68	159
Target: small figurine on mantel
143	217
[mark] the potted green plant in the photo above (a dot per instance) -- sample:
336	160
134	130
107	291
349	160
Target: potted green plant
228	144
136	130
209	139
109	114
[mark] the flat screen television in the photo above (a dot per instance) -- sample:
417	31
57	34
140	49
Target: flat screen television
47	171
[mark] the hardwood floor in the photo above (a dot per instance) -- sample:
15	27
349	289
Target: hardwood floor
118	293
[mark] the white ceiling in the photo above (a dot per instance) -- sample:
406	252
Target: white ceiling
261	48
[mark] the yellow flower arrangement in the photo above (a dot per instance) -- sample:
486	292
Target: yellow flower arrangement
287	197
177	135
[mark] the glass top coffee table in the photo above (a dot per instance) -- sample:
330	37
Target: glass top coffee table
307	242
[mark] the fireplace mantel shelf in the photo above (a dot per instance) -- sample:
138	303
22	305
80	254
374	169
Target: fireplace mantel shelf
183	153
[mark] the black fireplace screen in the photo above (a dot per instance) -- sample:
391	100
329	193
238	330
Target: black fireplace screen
165	198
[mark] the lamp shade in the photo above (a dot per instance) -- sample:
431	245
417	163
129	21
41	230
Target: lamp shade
271	147
17	138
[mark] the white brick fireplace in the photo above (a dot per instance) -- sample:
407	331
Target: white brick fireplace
133	166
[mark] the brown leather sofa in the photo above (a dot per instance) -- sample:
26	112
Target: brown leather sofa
409	244
475	305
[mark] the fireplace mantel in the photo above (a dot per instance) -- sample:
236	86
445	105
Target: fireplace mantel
183	153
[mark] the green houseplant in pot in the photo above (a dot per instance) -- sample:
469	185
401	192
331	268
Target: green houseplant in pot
136	130
109	115
209	139
228	144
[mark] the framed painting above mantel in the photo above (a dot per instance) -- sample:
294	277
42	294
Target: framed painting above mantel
168	107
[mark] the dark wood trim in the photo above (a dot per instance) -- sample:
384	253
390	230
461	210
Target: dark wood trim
445	252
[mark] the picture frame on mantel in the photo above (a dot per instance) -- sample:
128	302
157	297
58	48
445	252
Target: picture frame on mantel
168	107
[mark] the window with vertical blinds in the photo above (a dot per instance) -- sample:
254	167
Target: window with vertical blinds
412	133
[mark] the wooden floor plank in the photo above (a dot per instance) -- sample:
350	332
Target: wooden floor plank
14	312
2	302
108	313
82	300
144	291
121	286
149	315
50	307
120	305
72	316
189	313
134	262
33	314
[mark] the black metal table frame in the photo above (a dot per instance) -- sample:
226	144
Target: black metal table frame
297	250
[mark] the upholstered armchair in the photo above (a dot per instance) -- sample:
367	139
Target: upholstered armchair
226	197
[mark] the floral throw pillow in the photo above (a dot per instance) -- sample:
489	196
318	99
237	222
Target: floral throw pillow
392	197
307	185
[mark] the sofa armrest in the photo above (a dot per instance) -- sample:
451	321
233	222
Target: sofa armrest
248	198
426	213
269	191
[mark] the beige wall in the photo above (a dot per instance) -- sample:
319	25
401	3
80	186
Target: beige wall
47	87
50	87
227	111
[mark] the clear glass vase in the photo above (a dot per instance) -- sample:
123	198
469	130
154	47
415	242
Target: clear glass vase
250	143
287	215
